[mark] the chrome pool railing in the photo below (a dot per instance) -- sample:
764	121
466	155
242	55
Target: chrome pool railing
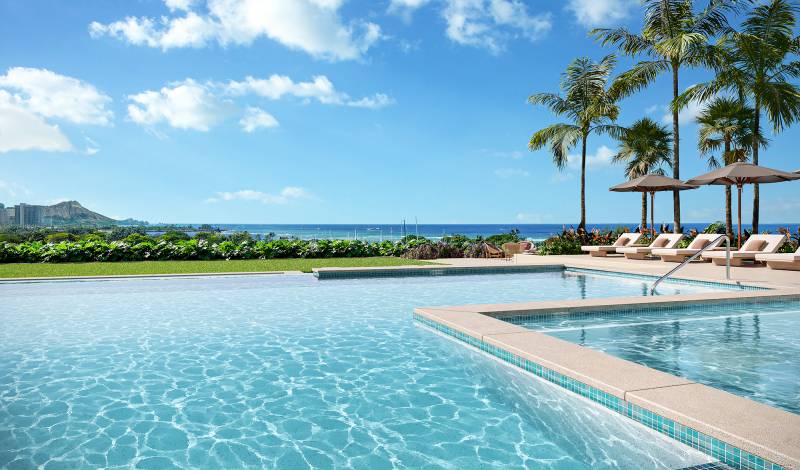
714	243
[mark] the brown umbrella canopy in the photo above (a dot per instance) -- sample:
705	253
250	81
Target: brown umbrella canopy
651	184
740	173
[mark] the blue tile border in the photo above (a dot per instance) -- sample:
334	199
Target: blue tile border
622	310
434	271
671	280
517	269
728	454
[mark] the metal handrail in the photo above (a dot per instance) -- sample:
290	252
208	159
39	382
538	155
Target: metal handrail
714	243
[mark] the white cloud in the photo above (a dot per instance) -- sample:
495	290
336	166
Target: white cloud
489	23
13	190
184	105
651	109
52	95
513	155
405	8
21	129
510	172
256	118
92	147
686	115
287	194
376	101
313	26
597	13
320	88
601	158
190	104
179	4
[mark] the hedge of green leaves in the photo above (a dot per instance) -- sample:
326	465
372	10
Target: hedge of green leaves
194	249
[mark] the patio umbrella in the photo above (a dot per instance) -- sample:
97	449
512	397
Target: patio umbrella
739	174
651	184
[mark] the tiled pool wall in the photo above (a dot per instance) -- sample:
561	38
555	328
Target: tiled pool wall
710	307
432	271
518	269
670	280
720	450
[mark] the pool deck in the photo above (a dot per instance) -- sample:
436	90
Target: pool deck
738	431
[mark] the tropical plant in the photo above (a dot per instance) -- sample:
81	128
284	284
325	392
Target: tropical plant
674	36
590	108
727	123
755	64
644	148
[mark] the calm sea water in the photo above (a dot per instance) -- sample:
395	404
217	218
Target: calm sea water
378	232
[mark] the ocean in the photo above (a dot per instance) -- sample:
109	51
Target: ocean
379	232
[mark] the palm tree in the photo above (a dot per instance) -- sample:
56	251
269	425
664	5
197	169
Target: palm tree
726	123
588	105
673	36
754	64
644	148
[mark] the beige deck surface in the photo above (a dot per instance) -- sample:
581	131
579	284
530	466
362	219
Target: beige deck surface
765	431
756	275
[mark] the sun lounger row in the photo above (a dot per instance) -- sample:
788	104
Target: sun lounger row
757	248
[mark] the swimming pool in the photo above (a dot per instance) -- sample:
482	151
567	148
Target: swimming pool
746	349
292	372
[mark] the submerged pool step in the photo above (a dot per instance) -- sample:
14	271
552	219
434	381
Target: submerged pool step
736	431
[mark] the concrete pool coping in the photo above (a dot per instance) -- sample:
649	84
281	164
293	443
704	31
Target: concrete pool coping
761	430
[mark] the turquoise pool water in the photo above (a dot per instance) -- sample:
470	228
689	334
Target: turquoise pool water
291	372
750	350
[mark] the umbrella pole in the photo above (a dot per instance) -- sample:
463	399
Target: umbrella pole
739	241
652	209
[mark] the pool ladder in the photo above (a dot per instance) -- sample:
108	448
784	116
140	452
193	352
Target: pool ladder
714	243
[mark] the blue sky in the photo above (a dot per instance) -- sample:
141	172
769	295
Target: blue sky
319	111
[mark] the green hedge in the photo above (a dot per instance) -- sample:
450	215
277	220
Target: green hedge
163	250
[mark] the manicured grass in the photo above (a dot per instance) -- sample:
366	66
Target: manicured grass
21	270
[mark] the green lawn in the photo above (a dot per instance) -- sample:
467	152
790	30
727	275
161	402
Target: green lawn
19	270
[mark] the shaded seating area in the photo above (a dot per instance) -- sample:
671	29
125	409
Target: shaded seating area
782	261
624	240
679	255
754	246
665	240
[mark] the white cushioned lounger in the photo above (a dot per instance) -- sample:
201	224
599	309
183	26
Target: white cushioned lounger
678	255
785	261
665	240
626	239
755	245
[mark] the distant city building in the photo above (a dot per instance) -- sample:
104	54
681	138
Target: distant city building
4	215
27	215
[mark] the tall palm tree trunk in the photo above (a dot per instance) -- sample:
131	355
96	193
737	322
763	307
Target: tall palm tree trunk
756	138
728	213
582	225
643	225
676	168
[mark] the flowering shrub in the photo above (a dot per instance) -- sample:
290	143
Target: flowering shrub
194	249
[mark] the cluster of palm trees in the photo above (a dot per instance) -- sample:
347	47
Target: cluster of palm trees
753	68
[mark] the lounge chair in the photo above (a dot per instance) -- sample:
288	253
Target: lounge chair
755	245
626	239
787	261
511	248
678	255
491	251
665	240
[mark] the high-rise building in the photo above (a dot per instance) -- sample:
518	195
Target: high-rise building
3	215
27	215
